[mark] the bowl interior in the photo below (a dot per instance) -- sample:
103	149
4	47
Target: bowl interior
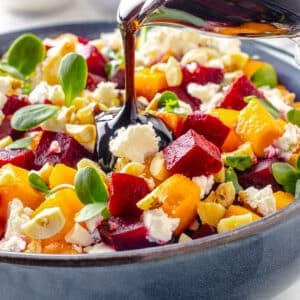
288	72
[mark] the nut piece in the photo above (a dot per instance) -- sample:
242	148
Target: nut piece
199	55
158	167
172	70
225	194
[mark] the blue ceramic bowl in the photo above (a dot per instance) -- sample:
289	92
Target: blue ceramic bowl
253	262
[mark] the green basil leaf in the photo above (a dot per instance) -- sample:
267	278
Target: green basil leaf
72	75
89	186
11	71
168	99
30	116
20	144
284	173
37	182
266	104
230	175
239	162
25	53
90	211
265	76
293	116
297	189
105	213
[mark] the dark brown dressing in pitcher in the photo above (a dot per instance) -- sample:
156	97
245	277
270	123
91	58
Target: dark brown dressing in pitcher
241	18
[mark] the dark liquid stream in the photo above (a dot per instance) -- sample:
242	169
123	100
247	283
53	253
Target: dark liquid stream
233	18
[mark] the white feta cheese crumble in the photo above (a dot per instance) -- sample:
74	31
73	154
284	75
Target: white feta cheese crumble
13	244
274	96
261	200
160	226
79	236
205	183
17	216
135	143
289	142
105	93
44	91
203	92
209	94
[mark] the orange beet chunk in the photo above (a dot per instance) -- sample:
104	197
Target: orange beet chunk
192	155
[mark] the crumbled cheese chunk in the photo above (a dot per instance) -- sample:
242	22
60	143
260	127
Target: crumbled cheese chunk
209	94
79	236
105	93
203	92
13	244
17	216
160	226
44	91
112	40
289	142
135	142
261	200
275	97
205	183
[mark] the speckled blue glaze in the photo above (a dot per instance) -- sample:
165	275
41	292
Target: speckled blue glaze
253	262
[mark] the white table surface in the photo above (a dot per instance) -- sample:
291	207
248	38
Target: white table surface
82	10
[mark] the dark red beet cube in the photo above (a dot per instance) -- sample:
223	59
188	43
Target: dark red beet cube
95	60
259	176
93	80
202	75
240	88
124	192
20	157
185	97
192	155
6	129
209	126
204	230
119	79
59	147
13	103
124	233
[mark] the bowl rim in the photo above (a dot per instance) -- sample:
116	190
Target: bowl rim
152	253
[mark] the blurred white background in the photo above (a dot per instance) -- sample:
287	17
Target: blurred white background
20	14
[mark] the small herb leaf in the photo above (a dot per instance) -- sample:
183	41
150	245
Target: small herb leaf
293	116
37	182
30	116
20	144
230	175
285	175
90	211
25	53
241	162
89	186
72	74
265	76
10	70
